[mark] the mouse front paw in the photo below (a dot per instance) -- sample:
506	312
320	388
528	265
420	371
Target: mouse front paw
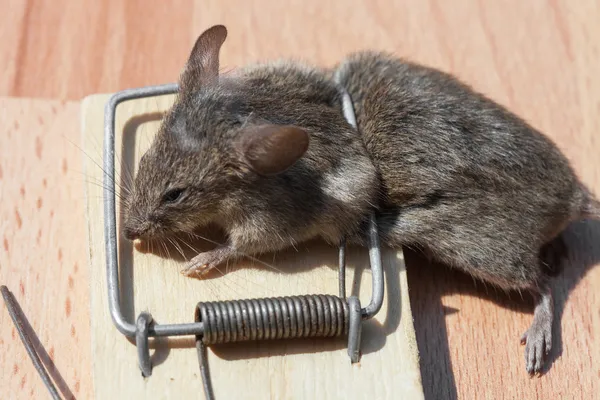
204	262
195	269
199	265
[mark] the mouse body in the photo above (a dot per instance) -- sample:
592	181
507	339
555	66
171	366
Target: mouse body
265	153
463	178
466	181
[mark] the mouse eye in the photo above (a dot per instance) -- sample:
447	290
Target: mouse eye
172	195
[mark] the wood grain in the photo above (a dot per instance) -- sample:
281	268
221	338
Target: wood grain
43	257
286	369
541	58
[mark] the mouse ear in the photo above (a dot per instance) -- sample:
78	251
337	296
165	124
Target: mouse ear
271	149
202	66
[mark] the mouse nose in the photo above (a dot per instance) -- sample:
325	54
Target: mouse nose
131	234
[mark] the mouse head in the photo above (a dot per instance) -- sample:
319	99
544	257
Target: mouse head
261	151
207	145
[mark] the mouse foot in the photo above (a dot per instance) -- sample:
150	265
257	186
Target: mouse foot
204	262
196	268
195	271
538	338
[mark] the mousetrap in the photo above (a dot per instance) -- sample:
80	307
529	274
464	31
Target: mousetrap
291	337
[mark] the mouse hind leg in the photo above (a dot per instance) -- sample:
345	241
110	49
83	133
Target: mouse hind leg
495	257
538	338
512	268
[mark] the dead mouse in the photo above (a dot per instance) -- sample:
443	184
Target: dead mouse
266	154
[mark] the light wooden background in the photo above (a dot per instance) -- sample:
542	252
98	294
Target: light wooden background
541	58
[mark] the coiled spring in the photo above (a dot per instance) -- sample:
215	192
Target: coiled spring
273	318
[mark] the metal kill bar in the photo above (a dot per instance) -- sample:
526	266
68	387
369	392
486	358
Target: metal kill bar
127	328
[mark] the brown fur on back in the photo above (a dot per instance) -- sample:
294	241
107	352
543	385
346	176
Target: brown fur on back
463	178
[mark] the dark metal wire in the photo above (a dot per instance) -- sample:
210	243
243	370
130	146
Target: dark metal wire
355	328
17	317
342	268
204	371
141	341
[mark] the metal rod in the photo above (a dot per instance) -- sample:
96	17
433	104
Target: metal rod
13	311
354	329
376	271
141	342
204	370
342	268
374	247
110	216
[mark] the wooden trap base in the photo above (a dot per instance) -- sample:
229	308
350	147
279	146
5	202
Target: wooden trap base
286	369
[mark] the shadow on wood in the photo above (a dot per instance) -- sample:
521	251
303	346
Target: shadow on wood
430	281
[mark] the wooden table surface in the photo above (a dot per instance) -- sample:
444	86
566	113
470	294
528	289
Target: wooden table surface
540	58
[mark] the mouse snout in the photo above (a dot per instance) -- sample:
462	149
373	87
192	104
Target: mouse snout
131	233
136	227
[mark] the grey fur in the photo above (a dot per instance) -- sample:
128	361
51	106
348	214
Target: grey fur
448	171
466	181
464	178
